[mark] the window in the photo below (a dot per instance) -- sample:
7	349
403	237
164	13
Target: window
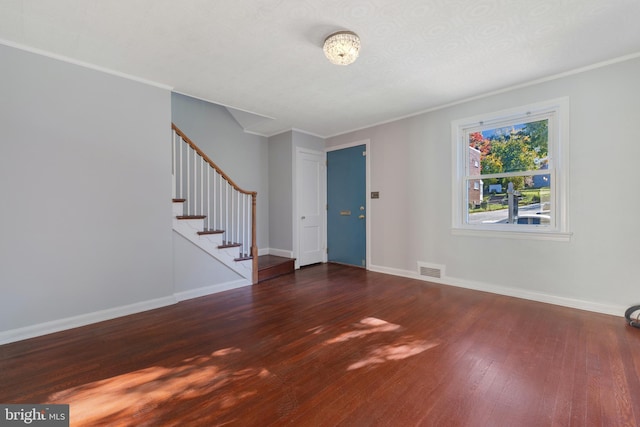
510	172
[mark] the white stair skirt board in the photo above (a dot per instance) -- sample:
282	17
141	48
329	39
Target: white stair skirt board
208	290
188	228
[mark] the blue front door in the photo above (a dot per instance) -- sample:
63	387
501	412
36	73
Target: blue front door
346	197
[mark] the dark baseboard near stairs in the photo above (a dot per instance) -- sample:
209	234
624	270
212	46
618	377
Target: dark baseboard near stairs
270	266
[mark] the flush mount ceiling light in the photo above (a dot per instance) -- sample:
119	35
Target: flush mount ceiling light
342	48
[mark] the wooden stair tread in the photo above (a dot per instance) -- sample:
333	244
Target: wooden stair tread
191	216
203	232
230	245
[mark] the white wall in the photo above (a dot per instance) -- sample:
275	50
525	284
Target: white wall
411	222
86	214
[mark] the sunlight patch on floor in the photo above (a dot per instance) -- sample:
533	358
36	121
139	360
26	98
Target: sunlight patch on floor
391	348
135	394
397	351
367	326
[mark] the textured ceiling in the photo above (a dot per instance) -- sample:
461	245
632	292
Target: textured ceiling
265	56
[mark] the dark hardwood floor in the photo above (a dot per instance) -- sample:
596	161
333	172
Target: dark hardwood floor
333	345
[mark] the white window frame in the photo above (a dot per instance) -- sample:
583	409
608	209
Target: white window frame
557	112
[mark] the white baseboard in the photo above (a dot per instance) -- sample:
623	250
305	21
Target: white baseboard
280	252
37	330
613	310
82	320
208	290
112	313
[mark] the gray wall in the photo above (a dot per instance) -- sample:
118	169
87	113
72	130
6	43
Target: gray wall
242	156
304	140
411	222
282	176
85	190
281	192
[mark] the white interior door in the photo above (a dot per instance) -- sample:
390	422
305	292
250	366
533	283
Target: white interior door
311	195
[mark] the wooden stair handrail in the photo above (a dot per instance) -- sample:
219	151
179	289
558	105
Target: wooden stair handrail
254	195
208	160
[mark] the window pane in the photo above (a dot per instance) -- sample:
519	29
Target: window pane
531	201
516	148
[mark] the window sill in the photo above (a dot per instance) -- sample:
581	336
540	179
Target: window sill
508	234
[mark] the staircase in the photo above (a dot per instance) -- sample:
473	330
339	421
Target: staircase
211	211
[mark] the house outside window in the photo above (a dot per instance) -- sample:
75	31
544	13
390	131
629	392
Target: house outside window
510	172
475	191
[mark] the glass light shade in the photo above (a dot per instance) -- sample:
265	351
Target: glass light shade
342	48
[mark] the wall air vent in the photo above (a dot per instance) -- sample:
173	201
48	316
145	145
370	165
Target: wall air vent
430	270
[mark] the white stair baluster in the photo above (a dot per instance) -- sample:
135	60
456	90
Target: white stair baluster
232	217
209	198
213	200
201	211
188	184
195	182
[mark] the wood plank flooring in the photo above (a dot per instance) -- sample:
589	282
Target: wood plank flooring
333	345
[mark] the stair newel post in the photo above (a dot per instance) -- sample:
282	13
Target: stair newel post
254	246
181	174
245	226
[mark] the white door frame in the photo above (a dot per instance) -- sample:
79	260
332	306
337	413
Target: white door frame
296	215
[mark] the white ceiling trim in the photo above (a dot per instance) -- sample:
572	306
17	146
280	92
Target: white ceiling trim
83	64
257	115
499	91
